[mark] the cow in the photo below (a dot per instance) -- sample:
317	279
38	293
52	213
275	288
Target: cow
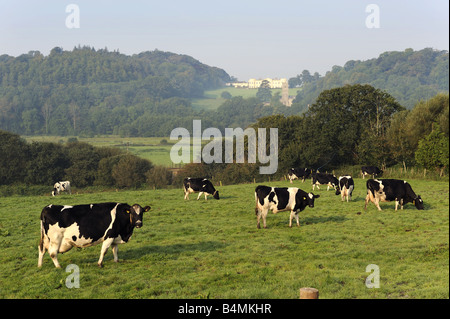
201	185
279	199
64	227
324	179
61	187
297	173
346	186
370	170
386	190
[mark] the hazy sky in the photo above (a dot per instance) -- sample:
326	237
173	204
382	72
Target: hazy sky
247	38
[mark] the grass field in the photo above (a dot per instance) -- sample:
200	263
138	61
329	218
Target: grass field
212	249
146	147
212	100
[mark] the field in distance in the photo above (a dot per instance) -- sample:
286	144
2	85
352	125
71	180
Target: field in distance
212	249
212	99
155	149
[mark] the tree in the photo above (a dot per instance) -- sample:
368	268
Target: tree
14	153
130	171
264	93
84	159
433	150
344	116
47	163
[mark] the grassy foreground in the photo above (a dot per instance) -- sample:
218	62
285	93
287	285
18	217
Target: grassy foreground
212	249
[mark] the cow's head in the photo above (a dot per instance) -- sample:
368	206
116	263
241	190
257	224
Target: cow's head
310	199
216	194
418	202
136	213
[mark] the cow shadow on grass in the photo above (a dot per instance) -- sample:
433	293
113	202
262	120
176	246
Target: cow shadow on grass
169	251
323	219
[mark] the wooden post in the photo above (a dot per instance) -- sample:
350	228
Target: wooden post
309	293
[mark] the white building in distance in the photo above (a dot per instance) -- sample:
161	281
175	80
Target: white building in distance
256	83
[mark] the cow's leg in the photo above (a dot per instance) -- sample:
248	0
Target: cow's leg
291	216
199	194
258	217
42	248
206	194
186	195
396	204
105	247
264	213
377	203
367	200
115	249
53	251
296	219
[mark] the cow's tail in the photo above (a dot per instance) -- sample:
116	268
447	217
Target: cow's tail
256	204
41	242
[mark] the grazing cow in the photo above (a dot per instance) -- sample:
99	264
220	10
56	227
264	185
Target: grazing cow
61	187
346	186
386	190
324	179
370	170
279	199
302	173
64	227
201	185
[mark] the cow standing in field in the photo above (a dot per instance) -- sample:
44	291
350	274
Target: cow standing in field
297	173
279	199
201	185
346	186
324	179
64	227
61	187
386	190
370	170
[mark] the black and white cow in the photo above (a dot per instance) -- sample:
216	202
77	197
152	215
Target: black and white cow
297	173
346	186
279	199
324	179
61	187
370	170
64	227
386	190
201	185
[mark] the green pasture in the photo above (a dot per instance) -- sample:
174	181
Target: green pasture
212	249
211	99
149	148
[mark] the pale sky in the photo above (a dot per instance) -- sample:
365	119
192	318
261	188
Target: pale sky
247	38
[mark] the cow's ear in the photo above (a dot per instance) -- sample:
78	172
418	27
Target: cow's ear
304	198
127	211
146	208
316	196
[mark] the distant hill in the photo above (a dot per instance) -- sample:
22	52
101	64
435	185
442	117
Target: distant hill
99	92
409	76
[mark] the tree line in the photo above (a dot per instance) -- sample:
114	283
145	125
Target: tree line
350	125
353	125
409	76
88	91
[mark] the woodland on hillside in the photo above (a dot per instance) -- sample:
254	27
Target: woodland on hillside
87	92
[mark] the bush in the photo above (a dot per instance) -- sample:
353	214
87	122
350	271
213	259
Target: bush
130	171
159	177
